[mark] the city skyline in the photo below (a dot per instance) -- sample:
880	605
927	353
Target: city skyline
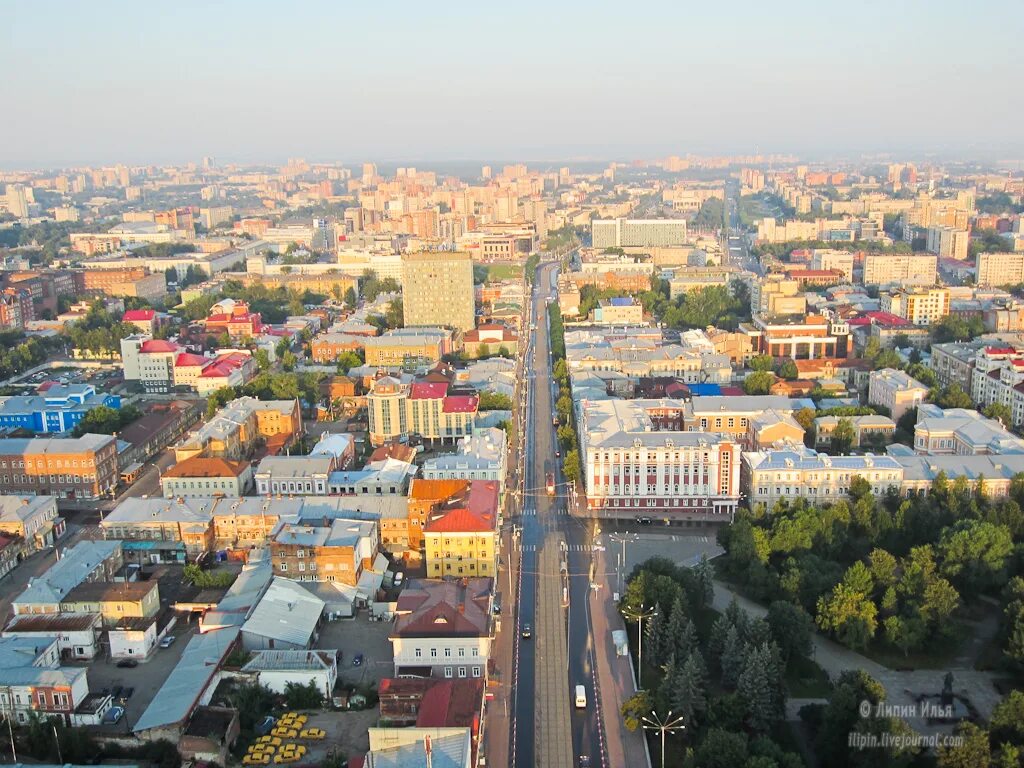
451	84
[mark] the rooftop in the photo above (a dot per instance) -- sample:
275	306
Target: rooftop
199	466
290	660
75	565
436	608
286	613
110	591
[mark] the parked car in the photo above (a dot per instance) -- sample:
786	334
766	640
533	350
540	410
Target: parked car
127	663
643	520
264	727
167	641
357	660
399	578
126	693
114	714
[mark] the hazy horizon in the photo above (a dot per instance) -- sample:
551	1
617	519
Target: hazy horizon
259	82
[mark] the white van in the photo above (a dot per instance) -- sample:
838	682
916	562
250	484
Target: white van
581	697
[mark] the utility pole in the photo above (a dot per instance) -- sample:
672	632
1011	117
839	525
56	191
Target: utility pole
669	724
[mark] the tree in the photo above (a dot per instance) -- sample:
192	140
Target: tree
350	297
705	581
103	420
843	436
761	363
758	383
974	554
732	658
1007	721
494	401
849	615
792	628
969	751
217	399
571	464
757	685
635	708
999	412
348	360
303	695
953	397
787	370
721	749
688	696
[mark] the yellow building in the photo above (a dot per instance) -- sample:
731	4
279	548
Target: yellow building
462	542
421	346
922	307
114	600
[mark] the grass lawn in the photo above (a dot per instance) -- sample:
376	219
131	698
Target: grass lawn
496	272
806	680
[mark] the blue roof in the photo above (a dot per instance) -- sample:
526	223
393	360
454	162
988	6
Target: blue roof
621	301
705	389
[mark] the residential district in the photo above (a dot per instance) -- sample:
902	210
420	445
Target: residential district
703	461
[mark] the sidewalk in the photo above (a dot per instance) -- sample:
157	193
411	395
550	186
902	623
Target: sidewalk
615	675
501	665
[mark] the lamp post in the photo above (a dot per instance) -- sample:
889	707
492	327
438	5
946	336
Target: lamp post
666	725
638	615
622	538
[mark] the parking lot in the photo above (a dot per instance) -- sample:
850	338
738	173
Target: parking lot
360	635
145	679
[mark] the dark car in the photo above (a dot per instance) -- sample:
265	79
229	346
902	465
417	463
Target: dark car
127	693
128	663
357	660
643	520
526	632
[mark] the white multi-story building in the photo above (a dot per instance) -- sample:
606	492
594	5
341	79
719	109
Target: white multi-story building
1000	268
295	475
825	259
948	242
900	269
639	233
793	473
997	376
921	307
480	456
896	391
638	460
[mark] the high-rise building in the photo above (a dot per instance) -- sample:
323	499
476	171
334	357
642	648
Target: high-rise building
948	242
437	290
1000	268
17	201
904	268
922	307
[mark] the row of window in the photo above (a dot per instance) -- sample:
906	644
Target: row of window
32	479
418	652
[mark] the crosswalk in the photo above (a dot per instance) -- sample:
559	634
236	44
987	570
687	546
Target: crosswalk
556	512
569	548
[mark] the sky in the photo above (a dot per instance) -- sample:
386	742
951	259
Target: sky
258	81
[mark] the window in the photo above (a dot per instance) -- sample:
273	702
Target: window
433	653
476	671
418	653
447	671
284	566
462	671
462	652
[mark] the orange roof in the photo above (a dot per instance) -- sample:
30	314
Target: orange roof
436	490
199	466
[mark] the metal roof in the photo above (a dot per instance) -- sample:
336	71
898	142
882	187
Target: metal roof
286	613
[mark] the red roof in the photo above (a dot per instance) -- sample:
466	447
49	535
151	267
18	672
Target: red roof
461	404
999	350
428	390
187	358
158	345
451	704
460	520
139	314
483	497
886	318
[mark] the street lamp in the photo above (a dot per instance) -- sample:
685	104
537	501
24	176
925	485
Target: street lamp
669	724
638	615
622	538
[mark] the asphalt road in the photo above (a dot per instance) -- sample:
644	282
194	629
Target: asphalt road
560	654
737	244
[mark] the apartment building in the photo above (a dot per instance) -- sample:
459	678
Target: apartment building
337	550
995	269
114	600
953	362
776	295
638	460
71	467
948	242
798	472
86	561
900	269
328	347
920	307
201	476
233	318
16	309
437	290
490	339
443	628
688	279
896	391
434	410
997	376
637	233
461	541
408	347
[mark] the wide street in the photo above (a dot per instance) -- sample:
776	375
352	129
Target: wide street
547	729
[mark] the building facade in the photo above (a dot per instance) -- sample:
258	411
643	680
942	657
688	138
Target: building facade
437	290
72	468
